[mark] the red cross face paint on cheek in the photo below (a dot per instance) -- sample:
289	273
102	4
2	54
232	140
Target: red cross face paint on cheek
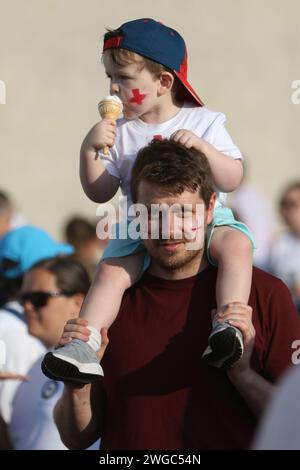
137	97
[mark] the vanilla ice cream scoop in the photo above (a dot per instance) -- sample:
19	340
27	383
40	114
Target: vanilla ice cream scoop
111	107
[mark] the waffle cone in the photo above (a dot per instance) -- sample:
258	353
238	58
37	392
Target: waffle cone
110	109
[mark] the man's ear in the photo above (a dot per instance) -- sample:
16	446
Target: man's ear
211	206
166	81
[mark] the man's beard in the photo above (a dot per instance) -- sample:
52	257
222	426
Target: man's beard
175	261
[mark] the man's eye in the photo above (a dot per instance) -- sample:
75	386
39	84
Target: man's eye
185	214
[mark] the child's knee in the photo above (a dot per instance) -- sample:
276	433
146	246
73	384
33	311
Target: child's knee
237	244
123	271
110	269
231	242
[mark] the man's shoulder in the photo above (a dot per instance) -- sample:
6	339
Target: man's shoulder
262	280
268	288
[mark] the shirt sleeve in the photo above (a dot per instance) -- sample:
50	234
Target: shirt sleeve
218	136
282	333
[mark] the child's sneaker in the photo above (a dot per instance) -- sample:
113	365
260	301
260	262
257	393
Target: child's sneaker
225	346
76	362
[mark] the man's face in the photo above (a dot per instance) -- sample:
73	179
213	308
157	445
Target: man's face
181	229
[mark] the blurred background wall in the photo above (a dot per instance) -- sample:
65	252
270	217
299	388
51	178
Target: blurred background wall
244	56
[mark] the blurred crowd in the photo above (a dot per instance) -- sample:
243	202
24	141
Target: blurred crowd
37	271
55	288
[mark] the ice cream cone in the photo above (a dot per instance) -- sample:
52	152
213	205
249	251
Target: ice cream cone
110	107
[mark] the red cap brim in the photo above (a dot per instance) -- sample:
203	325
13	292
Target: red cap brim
188	92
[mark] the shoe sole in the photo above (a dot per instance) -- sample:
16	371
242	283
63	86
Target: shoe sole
57	369
225	348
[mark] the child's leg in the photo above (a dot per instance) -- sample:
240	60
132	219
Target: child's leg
232	250
77	361
113	277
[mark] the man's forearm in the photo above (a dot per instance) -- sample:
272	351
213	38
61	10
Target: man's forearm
78	425
255	390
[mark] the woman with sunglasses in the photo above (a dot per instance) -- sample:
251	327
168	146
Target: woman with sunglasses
52	293
20	249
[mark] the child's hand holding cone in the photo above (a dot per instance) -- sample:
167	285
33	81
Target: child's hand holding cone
110	107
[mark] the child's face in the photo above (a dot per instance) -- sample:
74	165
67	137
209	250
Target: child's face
136	87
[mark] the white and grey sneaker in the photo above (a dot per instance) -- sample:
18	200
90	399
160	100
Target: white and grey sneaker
76	362
225	346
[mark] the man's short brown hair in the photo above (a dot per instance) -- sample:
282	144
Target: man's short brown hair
174	167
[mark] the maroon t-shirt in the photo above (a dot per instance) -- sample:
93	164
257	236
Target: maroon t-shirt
160	395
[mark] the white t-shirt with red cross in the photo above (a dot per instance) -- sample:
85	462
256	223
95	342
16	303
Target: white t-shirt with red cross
132	135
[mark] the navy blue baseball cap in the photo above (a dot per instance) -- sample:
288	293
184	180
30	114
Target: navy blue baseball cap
155	41
25	246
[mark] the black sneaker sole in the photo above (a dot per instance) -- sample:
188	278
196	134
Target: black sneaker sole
225	345
57	369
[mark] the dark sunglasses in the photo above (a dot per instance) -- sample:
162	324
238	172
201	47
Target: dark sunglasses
39	298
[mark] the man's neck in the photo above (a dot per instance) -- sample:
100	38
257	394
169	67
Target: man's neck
189	270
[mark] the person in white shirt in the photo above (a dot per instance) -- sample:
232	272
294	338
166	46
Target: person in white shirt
22	350
280	424
52	293
20	249
285	252
5	443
